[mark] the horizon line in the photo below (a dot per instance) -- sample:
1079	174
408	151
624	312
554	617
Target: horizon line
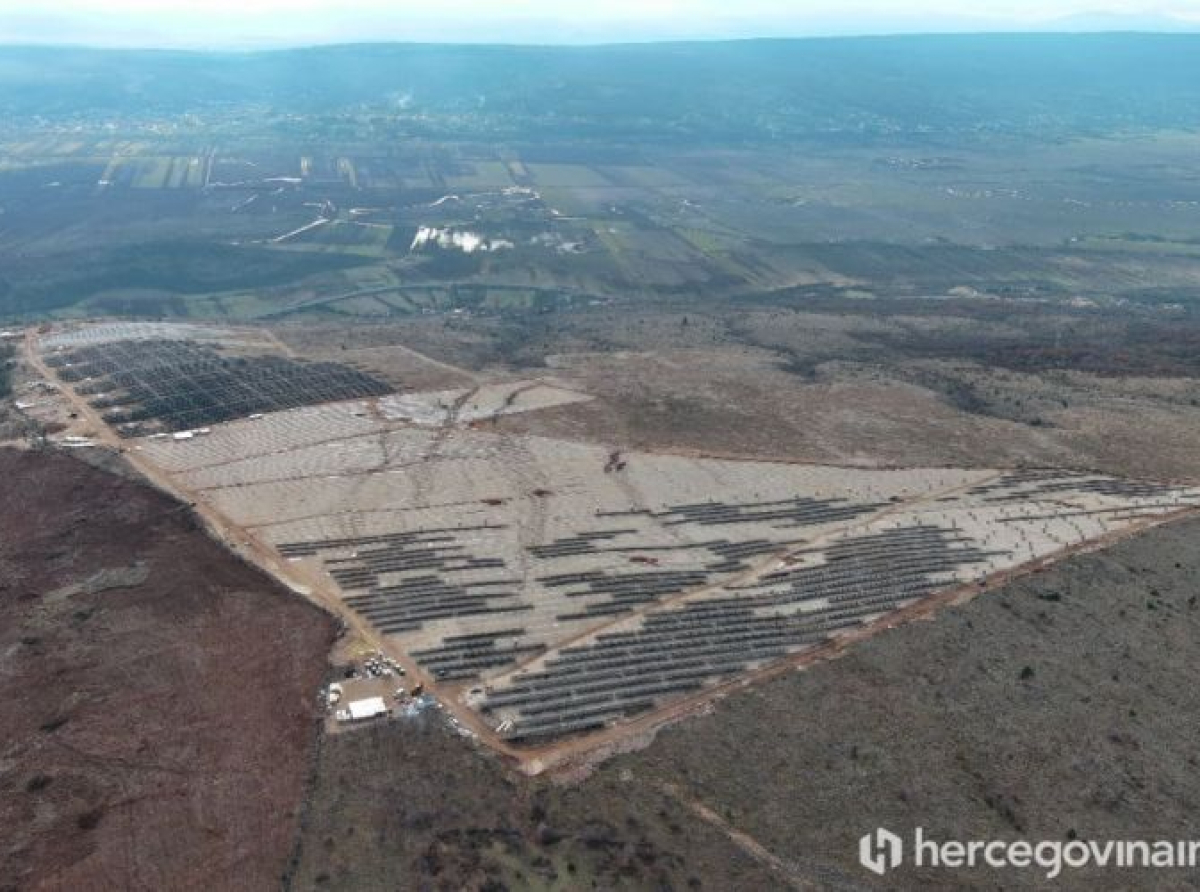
263	45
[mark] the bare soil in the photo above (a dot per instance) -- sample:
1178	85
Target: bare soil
905	383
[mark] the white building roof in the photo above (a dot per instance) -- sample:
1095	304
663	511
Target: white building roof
366	708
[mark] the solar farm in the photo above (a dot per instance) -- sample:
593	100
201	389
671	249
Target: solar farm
548	588
159	385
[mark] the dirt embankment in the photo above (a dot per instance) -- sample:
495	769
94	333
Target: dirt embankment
157	708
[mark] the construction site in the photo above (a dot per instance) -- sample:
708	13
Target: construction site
553	595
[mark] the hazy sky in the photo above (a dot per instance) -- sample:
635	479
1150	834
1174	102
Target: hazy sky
266	22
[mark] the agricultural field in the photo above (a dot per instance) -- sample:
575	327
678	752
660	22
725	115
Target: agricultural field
292	227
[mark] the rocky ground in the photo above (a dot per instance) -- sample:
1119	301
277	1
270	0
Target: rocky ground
908	383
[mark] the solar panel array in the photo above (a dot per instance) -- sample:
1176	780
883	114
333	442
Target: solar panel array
147	385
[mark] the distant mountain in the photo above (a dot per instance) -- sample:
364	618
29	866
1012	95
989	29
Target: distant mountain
304	27
1122	23
983	86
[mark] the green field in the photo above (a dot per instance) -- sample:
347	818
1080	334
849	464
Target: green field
342	237
482	175
567	175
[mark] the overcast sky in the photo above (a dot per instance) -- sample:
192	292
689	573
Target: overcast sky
284	22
